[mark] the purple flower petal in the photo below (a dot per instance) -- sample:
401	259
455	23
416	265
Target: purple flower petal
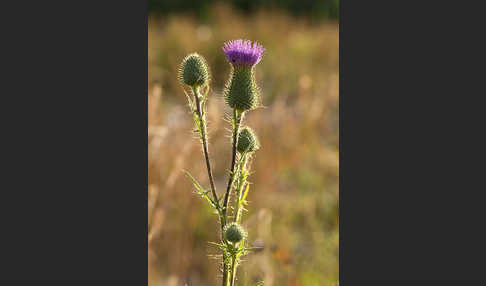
243	52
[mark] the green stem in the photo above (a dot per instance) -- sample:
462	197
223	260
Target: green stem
202	129
225	271
233	271
237	117
236	126
204	140
240	187
239	207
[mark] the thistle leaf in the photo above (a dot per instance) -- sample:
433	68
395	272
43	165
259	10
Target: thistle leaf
191	103
206	91
200	190
222	246
245	193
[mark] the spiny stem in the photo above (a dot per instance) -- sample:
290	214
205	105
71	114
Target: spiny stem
241	184
236	127
238	206
233	271
205	145
202	123
225	271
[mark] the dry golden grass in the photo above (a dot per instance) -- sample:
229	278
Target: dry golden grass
293	207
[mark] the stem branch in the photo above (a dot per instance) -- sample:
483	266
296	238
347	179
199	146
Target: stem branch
240	187
205	145
236	125
233	271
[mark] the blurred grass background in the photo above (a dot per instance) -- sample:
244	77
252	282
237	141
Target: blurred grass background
294	202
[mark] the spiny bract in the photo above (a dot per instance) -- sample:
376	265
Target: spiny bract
247	140
194	70
234	232
241	91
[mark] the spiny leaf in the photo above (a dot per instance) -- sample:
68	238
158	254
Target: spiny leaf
196	120
196	184
247	249
206	92
245	193
222	246
200	190
191	103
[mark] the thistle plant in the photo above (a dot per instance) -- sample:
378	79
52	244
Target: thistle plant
241	94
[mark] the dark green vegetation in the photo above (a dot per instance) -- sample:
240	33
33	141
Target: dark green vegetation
310	8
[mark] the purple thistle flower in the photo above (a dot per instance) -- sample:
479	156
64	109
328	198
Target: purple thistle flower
242	52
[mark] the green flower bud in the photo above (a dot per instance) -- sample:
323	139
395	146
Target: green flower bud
242	92
247	140
194	70
234	233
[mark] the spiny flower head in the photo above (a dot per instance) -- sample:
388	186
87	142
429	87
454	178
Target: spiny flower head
234	232
194	70
243	52
241	91
247	140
